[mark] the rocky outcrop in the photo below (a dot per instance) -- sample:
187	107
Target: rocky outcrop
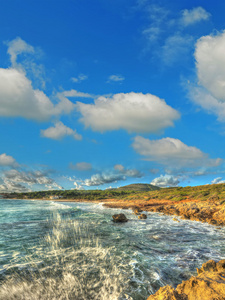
209	284
195	211
167	293
137	210
119	218
142	216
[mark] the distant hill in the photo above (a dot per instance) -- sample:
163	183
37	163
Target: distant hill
139	187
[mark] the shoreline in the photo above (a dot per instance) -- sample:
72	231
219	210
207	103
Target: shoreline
209	211
194	210
210	277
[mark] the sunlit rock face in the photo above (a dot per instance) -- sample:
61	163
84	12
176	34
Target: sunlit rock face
209	284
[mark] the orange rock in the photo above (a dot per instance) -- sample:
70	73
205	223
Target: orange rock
142	216
208	285
167	293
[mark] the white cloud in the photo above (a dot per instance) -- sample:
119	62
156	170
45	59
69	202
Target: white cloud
195	15
19	181
79	78
59	131
158	16
134	112
19	99
218	180
16	47
116	78
209	103
176	47
172	152
210	63
166	35
9	187
74	94
119	173
81	166
119	167
101	179
166	181
7	160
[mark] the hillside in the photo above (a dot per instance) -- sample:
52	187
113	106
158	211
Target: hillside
138	187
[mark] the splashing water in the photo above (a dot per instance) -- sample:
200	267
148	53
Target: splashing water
69	264
55	251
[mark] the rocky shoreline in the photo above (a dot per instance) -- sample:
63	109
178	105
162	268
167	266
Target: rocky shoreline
211	211
209	284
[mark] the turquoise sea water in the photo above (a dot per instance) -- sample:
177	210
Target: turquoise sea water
74	251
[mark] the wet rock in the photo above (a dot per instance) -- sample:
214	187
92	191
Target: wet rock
209	266
221	266
208	285
137	210
176	220
167	293
142	216
119	218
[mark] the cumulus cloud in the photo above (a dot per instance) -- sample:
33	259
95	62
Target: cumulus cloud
210	63
59	131
134	112
9	187
217	180
81	166
172	152
14	179
210	104
101	179
19	99
7	160
119	173
166	181
115	78
195	15
209	94
79	78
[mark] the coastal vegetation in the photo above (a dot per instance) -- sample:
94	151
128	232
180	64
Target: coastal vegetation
212	192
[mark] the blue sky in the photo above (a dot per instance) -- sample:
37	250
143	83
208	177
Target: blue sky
98	94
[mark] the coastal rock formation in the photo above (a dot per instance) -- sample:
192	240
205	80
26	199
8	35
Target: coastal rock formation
209	284
119	218
137	210
167	293
142	216
195	211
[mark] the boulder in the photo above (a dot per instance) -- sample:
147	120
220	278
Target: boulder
142	216
119	218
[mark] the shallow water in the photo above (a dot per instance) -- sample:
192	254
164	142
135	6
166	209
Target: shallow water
74	251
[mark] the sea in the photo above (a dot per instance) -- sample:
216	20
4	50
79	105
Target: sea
56	251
